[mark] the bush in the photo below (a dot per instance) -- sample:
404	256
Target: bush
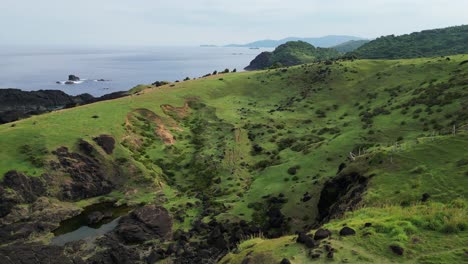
293	170
418	169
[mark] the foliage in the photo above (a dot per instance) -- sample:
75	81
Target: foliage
427	43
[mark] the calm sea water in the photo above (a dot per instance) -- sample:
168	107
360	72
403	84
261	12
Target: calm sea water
29	69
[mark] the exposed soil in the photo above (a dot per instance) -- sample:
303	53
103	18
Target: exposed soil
152	119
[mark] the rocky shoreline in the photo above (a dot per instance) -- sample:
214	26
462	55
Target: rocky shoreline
16	104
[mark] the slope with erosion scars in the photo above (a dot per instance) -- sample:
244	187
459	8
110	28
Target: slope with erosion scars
243	163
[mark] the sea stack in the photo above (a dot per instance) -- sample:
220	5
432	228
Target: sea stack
73	78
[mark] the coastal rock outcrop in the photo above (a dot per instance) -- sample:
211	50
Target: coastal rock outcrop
73	78
16	104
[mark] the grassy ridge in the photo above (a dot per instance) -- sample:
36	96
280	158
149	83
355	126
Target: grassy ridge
427	43
240	138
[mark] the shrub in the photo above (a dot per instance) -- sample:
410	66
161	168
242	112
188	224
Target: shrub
293	170
418	169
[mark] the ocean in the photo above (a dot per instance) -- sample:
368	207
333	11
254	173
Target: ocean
122	68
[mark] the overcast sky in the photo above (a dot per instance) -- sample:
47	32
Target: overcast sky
194	22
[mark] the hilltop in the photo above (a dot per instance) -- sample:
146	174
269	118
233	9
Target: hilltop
291	53
323	42
229	167
427	43
349	46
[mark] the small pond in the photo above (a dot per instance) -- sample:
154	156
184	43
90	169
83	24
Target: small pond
79	227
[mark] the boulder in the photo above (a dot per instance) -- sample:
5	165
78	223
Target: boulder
306	197
307	240
322	234
94	218
347	231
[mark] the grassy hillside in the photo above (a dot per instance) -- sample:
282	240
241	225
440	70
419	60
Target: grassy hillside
349	46
262	147
427	43
291	53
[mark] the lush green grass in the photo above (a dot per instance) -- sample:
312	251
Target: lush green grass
241	137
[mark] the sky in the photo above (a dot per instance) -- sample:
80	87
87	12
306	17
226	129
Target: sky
196	22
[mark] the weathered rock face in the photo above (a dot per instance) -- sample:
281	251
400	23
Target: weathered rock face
145	223
39	217
18	188
16	104
35	253
106	142
262	61
340	194
89	177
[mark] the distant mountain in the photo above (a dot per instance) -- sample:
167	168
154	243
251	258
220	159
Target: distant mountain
324	42
350	45
291	53
427	43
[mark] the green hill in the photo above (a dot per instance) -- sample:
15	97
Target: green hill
291	53
427	43
227	168
349	46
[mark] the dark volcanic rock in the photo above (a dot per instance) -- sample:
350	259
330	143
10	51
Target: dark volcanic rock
16	104
145	223
94	218
73	78
89	176
306	197
113	252
347	231
397	250
35	253
106	142
322	234
340	194
85	147
22	189
307	240
262	61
